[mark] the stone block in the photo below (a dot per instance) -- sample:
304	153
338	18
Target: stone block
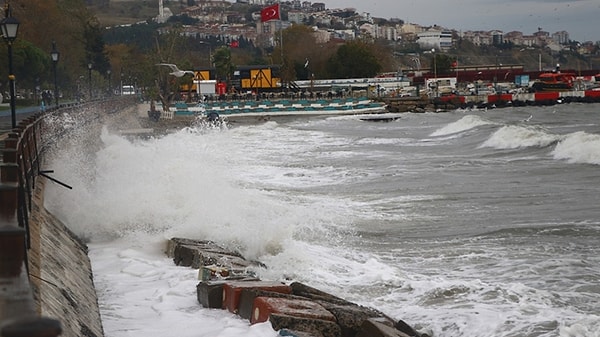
315	327
303	290
232	291
247	300
265	306
374	328
293	333
210	294
350	317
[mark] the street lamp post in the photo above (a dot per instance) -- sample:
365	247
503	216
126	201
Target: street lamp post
109	86
55	56
90	80
258	78
79	93
209	52
10	26
496	75
435	71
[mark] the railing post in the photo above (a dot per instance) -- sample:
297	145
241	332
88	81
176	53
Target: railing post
16	300
15	294
32	326
18	316
12	251
9	182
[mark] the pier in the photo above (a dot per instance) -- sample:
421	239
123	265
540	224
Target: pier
451	102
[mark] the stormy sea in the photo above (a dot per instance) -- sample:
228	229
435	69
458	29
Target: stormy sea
462	223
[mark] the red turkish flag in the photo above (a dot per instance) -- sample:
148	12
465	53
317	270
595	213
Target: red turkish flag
270	13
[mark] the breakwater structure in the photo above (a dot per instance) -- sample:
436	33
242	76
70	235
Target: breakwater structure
292	308
346	105
265	109
46	280
451	102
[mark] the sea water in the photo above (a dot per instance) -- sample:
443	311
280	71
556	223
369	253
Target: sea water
461	223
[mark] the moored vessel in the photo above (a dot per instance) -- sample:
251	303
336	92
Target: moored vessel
554	81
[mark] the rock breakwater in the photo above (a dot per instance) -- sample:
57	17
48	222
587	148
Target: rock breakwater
293	309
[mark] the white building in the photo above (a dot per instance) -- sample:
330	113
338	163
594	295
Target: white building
296	16
253	2
390	33
438	39
561	37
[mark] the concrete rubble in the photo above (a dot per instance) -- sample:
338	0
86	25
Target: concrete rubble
293	309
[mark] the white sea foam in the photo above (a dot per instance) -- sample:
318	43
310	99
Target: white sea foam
579	147
384	141
137	194
142	293
179	185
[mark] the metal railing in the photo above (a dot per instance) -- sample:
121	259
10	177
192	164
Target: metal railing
20	166
18	171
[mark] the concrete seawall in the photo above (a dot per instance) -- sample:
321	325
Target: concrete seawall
61	273
46	281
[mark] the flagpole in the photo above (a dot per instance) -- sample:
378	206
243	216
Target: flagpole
273	12
281	39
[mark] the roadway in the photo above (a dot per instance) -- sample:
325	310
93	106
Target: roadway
6	121
21	113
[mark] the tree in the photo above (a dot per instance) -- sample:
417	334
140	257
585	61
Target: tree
43	22
167	46
141	35
184	20
441	63
299	45
223	63
31	66
94	46
32	63
353	60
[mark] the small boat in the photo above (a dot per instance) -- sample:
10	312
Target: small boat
381	118
554	81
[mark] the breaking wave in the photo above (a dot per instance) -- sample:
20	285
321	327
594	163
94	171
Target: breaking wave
515	137
579	147
466	123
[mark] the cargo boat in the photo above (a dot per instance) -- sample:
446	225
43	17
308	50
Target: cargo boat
554	81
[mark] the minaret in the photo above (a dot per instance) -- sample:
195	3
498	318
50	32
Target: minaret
161	12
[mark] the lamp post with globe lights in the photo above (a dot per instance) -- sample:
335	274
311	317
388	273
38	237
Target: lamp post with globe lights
108	73
90	80
55	55
10	27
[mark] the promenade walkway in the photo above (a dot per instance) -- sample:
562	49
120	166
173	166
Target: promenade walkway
6	120
20	113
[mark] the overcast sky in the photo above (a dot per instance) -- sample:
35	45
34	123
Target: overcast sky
581	18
